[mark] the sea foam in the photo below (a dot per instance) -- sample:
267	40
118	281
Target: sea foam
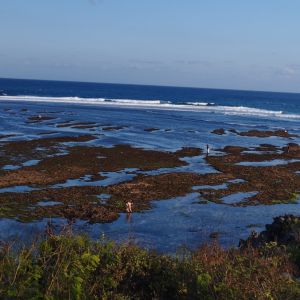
158	104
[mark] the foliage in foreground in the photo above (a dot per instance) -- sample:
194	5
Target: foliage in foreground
75	267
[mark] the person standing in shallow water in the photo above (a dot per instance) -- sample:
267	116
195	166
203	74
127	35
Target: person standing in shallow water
129	205
207	150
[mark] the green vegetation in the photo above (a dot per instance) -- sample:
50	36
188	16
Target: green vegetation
66	266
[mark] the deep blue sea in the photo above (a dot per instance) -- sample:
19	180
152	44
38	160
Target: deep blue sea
183	117
286	105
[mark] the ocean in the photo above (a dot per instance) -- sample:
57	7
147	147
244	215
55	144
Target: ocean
281	105
181	117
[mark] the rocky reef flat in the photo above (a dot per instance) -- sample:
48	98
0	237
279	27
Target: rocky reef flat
55	164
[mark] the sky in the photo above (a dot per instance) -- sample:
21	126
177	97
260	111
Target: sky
231	44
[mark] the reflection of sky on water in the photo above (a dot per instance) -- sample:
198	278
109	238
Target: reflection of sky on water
171	224
10	167
187	128
268	163
210	187
48	203
195	164
18	189
237	197
112	178
31	162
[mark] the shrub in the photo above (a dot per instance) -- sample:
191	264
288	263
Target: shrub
75	267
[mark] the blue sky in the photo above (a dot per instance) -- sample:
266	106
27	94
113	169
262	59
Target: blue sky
203	43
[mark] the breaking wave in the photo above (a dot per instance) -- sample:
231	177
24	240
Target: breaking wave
158	104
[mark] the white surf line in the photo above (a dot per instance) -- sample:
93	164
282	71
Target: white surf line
157	104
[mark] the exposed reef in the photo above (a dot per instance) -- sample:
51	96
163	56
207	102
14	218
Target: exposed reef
151	129
273	184
219	131
267	133
112	128
256	133
40	118
80	160
60	159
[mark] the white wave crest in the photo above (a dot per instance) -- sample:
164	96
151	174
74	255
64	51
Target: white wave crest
158	104
134	101
200	103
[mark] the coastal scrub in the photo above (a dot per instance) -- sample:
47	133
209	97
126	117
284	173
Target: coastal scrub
66	266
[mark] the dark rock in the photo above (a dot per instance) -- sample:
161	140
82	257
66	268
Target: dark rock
111	128
188	151
233	131
219	131
151	129
214	235
285	230
267	133
234	149
39	118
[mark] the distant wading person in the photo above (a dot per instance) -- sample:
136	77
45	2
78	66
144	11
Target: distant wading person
129	205
207	149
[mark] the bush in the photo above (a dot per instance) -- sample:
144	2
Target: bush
75	267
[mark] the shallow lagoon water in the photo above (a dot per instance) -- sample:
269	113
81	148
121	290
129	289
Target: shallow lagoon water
18	189
237	197
268	163
48	203
10	167
31	162
103	198
170	223
210	187
112	178
195	164
28	163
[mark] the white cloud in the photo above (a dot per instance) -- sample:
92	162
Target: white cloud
289	71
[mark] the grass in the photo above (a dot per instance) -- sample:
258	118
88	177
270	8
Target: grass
68	266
